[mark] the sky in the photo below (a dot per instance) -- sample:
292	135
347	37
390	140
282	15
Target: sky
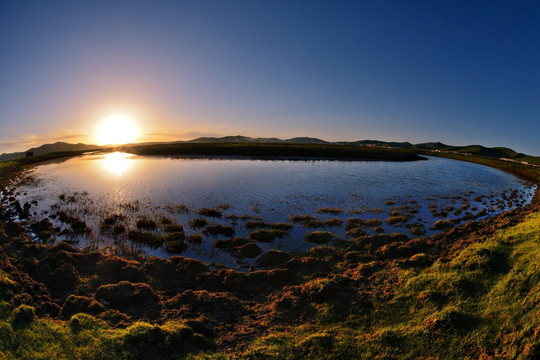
459	72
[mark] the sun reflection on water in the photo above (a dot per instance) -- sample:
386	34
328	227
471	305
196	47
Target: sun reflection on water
117	163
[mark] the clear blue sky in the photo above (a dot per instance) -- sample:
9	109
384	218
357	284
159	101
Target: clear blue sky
459	72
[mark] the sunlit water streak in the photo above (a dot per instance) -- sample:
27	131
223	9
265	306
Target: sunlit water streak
137	186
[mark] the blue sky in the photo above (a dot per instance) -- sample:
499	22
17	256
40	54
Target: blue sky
459	72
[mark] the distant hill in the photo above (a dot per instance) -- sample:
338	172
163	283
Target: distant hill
305	140
49	148
479	150
392	144
432	146
245	139
61	147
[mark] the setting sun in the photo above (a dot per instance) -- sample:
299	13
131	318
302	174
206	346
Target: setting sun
117	129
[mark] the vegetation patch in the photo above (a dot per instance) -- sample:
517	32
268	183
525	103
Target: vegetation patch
209	212
320	237
146	224
198	223
265	235
329	210
397	219
145	238
217	229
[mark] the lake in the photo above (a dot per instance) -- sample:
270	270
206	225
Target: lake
246	194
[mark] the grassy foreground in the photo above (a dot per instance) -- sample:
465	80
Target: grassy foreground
472	292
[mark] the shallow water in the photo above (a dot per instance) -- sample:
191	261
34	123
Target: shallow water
95	186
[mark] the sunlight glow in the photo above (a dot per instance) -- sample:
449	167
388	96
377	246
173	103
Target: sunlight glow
117	129
117	163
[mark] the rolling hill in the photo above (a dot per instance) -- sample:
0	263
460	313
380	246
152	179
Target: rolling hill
478	150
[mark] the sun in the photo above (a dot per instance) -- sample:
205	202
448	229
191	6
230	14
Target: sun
117	129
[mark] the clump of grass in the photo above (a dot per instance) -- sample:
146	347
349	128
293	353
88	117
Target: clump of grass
250	224
329	210
174	228
217	229
198	223
333	222
195	239
372	222
353	223
209	212
281	226
442	225
178	209
6	286
224	206
265	235
111	221
175	242
310	221
145	238
166	221
146	224
417	229
302	218
395	220
320	237
23	316
356	232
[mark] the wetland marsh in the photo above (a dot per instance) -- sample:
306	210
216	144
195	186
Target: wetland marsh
129	204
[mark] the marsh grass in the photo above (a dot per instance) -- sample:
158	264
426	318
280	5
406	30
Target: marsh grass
267	235
483	301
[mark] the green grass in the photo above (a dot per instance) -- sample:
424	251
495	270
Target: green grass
86	337
483	302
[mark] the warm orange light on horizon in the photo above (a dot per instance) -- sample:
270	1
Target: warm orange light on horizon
117	129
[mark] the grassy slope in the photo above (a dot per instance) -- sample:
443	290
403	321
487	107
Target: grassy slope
483	303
